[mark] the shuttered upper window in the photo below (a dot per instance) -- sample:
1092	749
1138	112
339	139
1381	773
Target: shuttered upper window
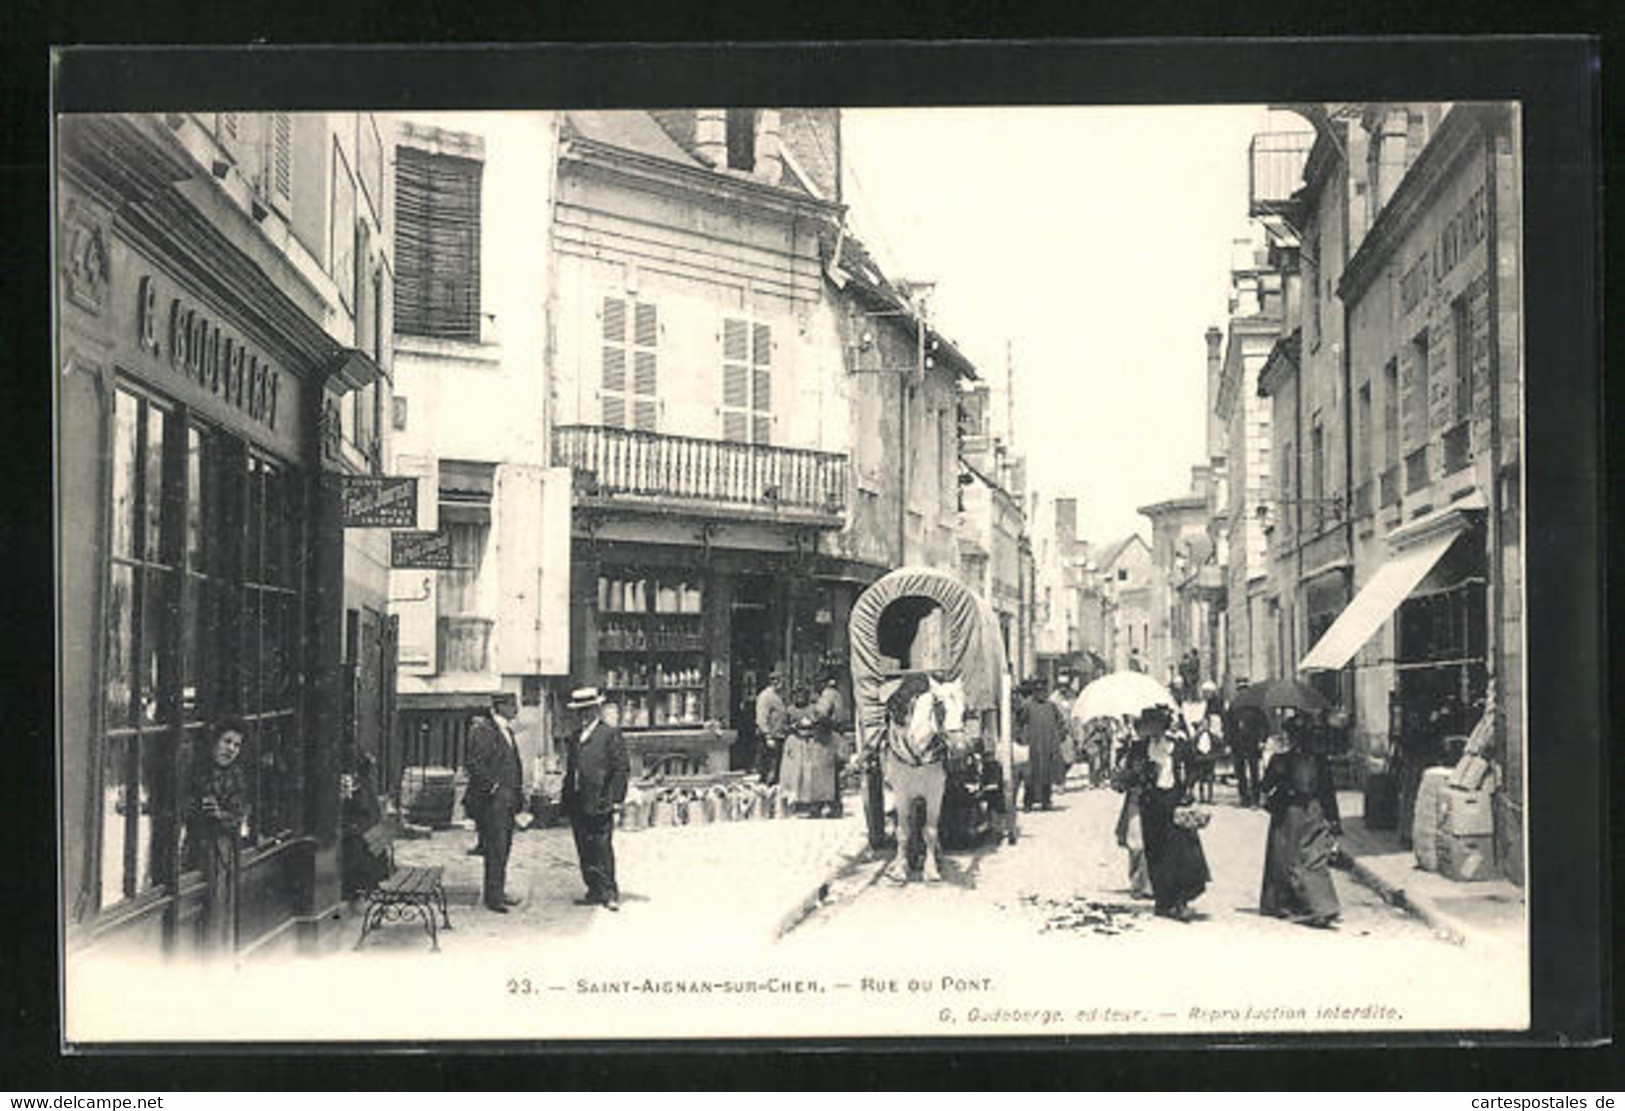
628	385
437	245
747	382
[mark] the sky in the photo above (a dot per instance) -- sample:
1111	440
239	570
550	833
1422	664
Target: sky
1096	242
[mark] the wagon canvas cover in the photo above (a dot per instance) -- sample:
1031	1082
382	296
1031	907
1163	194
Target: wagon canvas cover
975	652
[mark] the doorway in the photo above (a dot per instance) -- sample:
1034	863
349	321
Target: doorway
755	642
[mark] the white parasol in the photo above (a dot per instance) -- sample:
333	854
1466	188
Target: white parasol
1120	693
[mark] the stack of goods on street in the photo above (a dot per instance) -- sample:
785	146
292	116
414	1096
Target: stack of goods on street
1454	830
428	796
696	800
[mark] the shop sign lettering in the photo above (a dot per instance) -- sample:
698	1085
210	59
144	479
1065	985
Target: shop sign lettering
1460	234
412	550
216	358
380	501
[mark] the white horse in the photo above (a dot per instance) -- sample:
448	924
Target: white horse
915	762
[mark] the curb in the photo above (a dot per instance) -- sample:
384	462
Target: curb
823	892
1443	926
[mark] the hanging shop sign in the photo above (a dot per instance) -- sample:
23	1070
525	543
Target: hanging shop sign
413	550
380	501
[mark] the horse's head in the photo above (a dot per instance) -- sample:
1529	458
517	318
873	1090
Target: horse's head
939	713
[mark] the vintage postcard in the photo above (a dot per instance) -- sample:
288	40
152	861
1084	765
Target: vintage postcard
749	571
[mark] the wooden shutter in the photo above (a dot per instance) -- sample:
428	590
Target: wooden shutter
646	335
736	384
437	245
612	384
279	168
761	384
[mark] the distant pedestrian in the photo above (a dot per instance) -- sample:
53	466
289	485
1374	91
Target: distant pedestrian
793	750
1245	731
1068	755
831	717
772	726
1044	731
1300	846
595	779
495	795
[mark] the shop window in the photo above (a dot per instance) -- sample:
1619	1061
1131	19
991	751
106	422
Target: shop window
629	384
136	788
203	610
437	245
747	382
271	639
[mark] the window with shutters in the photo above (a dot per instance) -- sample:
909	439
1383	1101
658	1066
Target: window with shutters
628	387
437	245
279	162
747	381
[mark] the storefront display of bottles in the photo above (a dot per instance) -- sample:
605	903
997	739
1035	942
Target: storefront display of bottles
631	592
651	641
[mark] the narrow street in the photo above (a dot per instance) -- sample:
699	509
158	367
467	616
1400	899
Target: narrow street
1049	923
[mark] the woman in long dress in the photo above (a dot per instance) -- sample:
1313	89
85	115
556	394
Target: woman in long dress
1300	844
813	778
1129	778
1173	852
215	813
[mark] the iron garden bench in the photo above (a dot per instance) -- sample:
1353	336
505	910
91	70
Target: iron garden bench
403	892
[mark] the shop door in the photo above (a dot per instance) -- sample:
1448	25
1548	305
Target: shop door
755	642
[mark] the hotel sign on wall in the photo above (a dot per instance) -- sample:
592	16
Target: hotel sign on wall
420	551
380	501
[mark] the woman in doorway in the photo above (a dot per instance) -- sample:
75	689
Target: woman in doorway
215	815
1173	849
1299	847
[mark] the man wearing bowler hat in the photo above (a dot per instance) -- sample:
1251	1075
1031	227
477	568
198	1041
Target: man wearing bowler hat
595	775
496	787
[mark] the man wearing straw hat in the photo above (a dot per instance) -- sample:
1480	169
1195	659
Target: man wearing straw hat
596	771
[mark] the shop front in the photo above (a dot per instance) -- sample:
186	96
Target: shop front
682	639
201	566
1433	587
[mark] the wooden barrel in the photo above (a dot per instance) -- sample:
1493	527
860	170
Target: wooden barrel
428	795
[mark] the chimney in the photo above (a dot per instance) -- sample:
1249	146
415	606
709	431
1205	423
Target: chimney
769	160
711	136
1066	525
1215	369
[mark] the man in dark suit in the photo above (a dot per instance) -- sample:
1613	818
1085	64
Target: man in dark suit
595	775
496	788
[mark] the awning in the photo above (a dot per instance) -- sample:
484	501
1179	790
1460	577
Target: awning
1376	600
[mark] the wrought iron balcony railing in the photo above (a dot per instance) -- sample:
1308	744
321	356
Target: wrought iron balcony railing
1275	161
757	480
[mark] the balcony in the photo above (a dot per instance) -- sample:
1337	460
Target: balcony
620	468
1275	161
